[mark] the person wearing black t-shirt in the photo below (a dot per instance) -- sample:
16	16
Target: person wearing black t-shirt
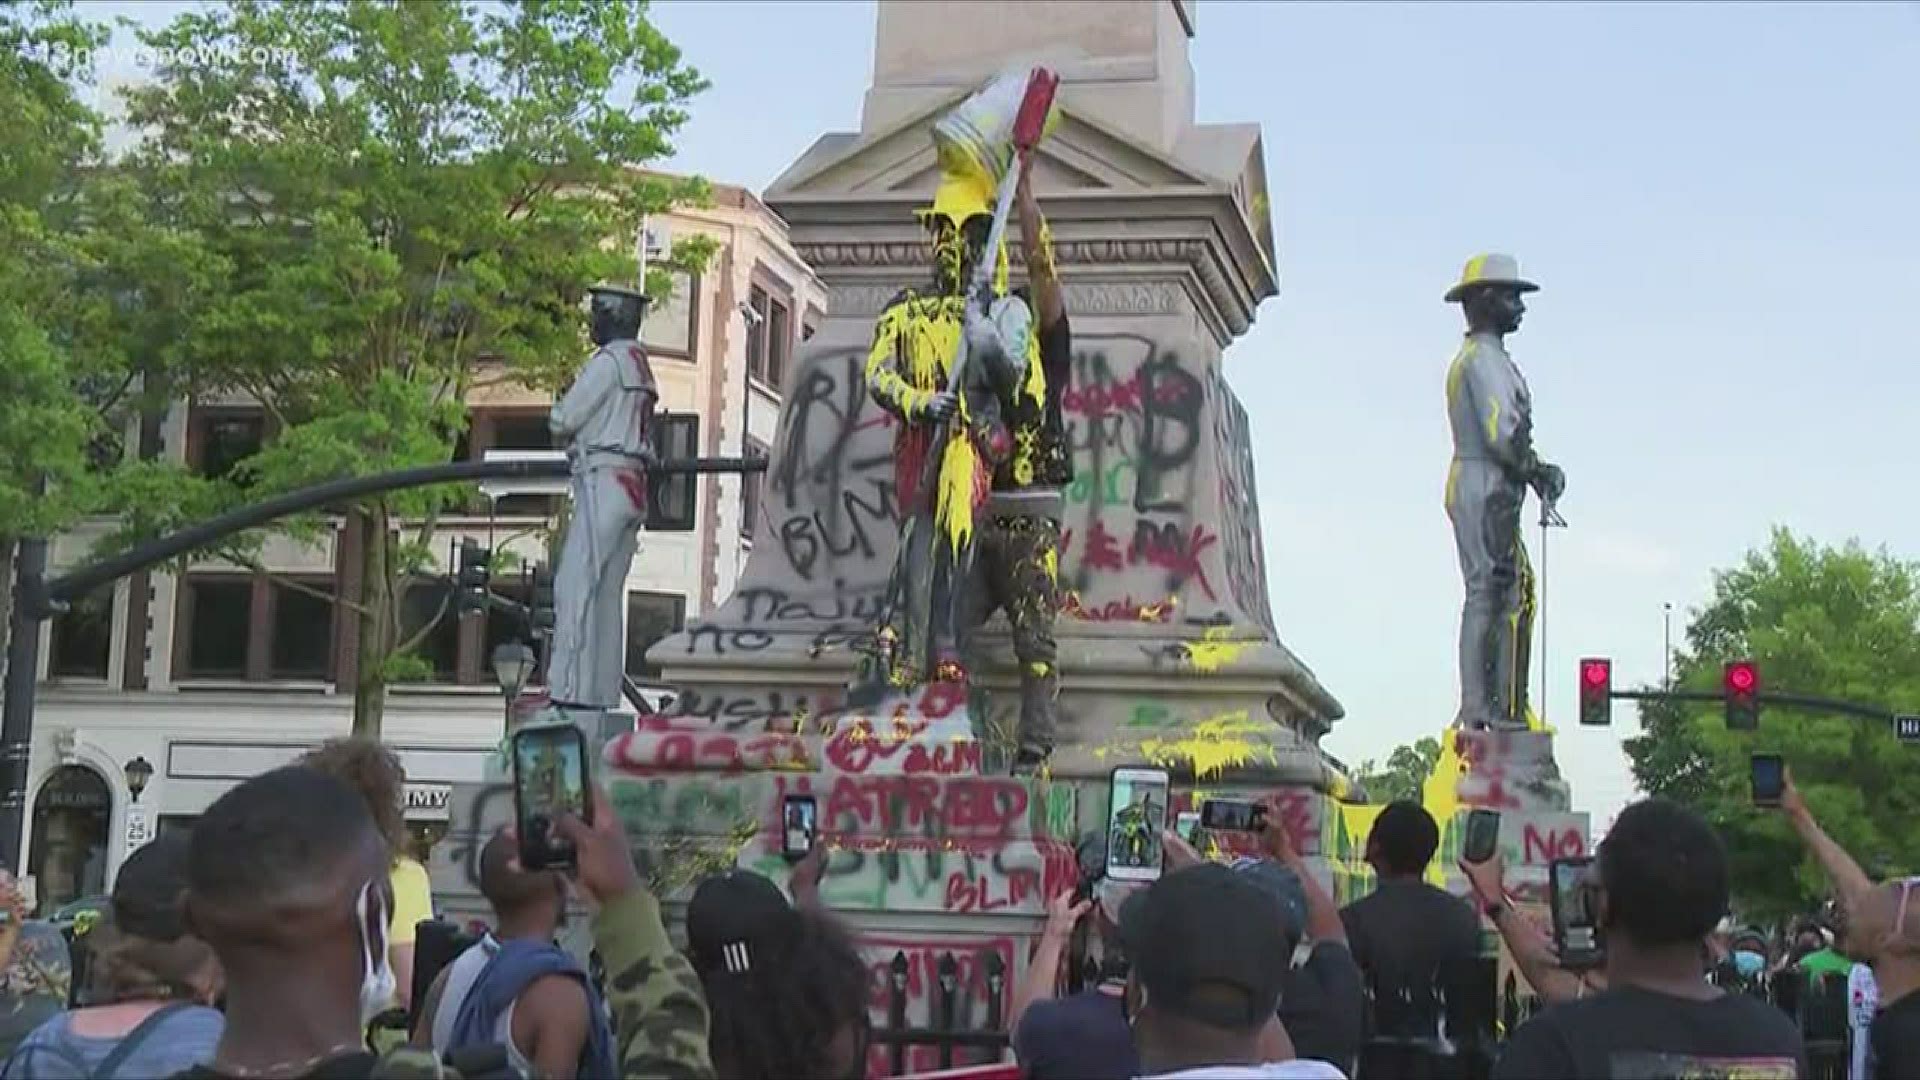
1880	926
1663	887
1416	945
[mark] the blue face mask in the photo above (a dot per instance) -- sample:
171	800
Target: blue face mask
1748	963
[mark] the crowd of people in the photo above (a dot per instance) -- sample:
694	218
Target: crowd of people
267	942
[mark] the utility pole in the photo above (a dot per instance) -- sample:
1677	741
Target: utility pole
1666	646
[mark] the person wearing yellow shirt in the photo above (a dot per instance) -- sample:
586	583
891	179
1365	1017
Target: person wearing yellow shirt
375	772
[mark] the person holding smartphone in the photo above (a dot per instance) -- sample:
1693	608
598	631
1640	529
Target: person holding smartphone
1879	926
1527	941
1663	887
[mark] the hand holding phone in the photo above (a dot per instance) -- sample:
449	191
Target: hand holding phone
1483	836
1576	927
549	782
799	826
1769	776
1136	818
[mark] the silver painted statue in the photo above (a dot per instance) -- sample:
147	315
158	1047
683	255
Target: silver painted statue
606	420
1491	414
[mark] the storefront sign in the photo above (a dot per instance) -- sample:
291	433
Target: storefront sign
428	800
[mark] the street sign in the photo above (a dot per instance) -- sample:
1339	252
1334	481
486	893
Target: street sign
1906	728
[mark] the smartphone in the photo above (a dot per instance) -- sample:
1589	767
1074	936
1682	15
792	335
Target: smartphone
1186	824
1136	814
1576	930
799	826
549	779
1483	836
1769	779
1233	815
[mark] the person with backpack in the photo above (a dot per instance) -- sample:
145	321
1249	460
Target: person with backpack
157	983
515	987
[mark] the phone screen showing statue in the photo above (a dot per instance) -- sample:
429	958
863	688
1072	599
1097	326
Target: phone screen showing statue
799	826
1136	815
1573	910
549	779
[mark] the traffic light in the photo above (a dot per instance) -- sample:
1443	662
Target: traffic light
473	577
1596	691
541	605
1742	686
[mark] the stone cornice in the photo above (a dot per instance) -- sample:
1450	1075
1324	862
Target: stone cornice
1225	298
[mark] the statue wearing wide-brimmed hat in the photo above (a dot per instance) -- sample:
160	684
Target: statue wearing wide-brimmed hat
1490	412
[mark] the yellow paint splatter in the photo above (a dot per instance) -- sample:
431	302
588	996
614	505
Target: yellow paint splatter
1215	745
1051	561
1213	652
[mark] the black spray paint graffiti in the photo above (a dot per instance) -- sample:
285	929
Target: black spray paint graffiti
1240	502
837	500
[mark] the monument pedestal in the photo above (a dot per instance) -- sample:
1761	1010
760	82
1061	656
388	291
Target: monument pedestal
1514	772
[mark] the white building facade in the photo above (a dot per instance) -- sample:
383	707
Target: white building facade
219	673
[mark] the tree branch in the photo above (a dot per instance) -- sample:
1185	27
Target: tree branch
248	562
420	635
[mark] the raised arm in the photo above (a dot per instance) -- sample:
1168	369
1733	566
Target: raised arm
1043	971
1531	950
1840	867
660	1017
1036	240
1323	915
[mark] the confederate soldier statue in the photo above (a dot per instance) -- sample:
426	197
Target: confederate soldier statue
606	419
1494	463
973	384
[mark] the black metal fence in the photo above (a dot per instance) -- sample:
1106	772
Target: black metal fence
983	1045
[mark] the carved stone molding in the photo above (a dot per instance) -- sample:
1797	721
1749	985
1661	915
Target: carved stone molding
913	257
830	255
867	299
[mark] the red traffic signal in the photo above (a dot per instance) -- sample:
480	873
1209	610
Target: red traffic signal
1596	691
1741	684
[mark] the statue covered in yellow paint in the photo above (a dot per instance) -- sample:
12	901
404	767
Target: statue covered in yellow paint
964	367
1490	412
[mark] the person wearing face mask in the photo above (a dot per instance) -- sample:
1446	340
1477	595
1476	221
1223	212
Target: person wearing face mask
156	983
1879	926
287	880
516	988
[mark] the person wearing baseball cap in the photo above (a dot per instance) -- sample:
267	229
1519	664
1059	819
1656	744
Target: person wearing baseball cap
1209	956
786	986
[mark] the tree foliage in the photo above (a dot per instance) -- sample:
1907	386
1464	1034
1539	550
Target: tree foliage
1836	622
1405	773
398	203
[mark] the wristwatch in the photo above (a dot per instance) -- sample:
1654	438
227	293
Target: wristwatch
1494	910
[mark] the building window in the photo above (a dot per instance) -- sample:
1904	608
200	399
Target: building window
220	439
255	627
219	627
750	488
757	299
83	638
671	498
779	343
430	602
651	618
669	329
302	634
507	429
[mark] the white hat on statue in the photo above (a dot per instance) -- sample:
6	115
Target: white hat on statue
1490	269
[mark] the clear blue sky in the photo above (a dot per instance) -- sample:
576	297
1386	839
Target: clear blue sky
1721	202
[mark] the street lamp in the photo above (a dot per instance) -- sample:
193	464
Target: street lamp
138	772
513	664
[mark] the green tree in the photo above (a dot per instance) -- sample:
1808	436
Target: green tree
1837	622
1405	773
77	262
405	202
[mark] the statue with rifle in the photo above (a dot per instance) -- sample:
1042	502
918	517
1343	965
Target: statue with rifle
949	363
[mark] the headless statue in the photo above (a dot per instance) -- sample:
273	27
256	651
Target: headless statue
1490	413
